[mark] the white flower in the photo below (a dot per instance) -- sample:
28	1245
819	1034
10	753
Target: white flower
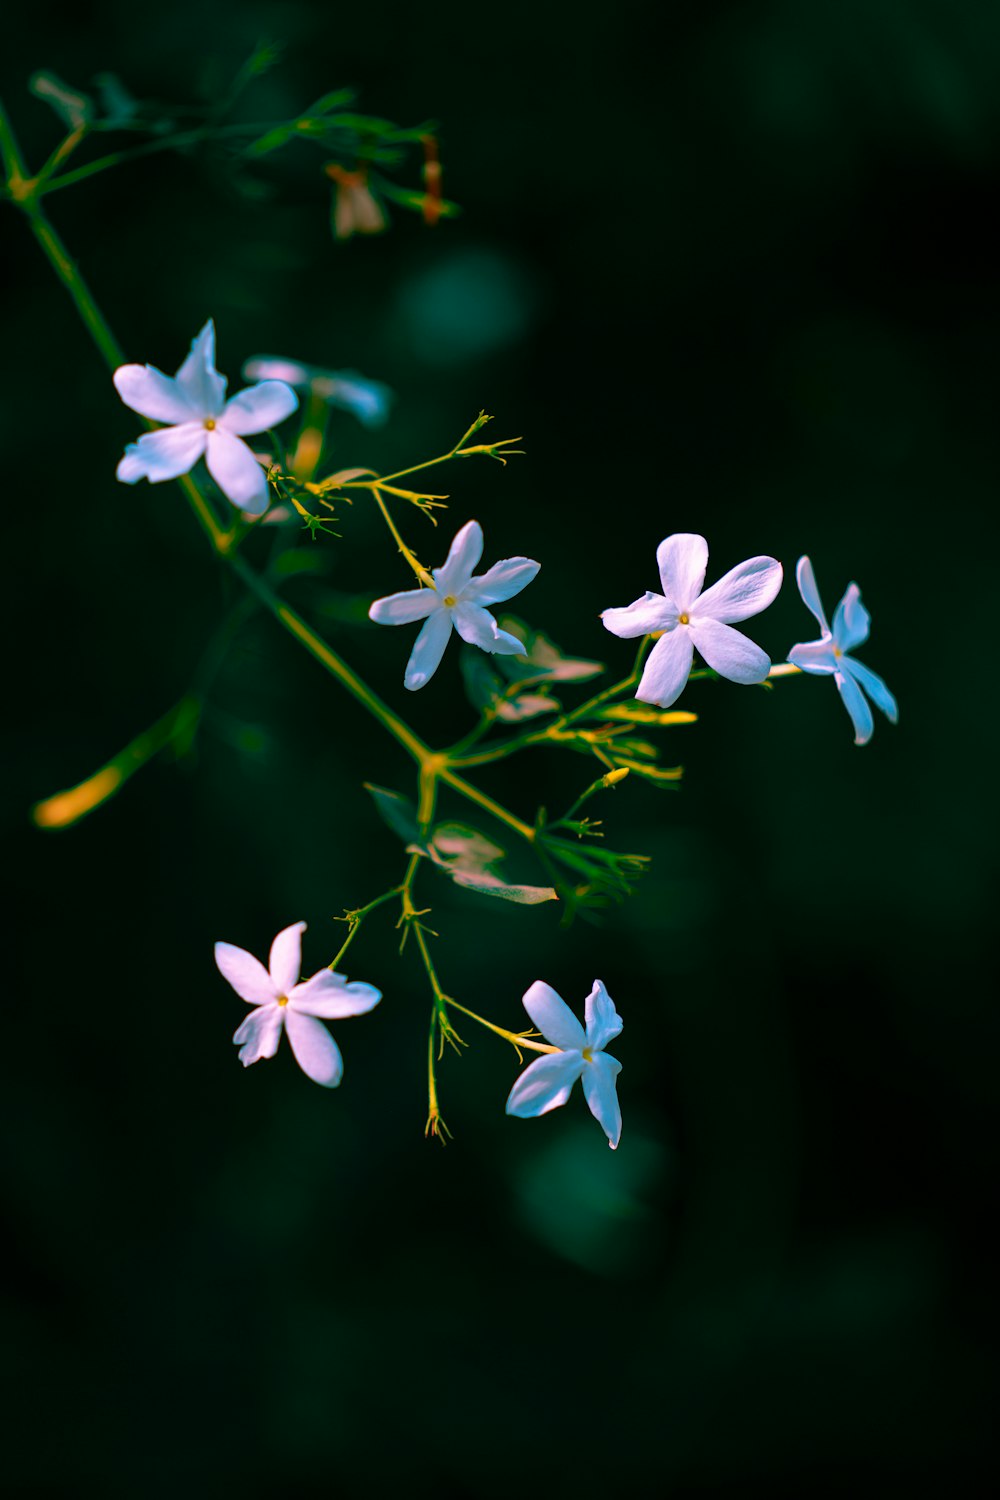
201	424
548	1082
690	618
280	1002
828	656
457	599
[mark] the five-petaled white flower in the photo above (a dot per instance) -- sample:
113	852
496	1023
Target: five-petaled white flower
548	1082
282	1003
828	656
690	618
202	424
457	599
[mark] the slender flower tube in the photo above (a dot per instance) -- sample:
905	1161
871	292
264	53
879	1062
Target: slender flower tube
457	601
548	1082
281	1003
201	423
828	657
691	619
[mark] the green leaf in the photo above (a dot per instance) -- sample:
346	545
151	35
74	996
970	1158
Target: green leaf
397	811
543	658
467	857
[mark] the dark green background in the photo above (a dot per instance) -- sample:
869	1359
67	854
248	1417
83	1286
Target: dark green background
736	275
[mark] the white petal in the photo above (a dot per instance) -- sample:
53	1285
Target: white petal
466	550
502	581
402	609
152	394
286	957
545	1084
806	580
857	706
316	1053
260	407
603	1021
651	612
682	560
873	685
202	385
260	1034
329	995
667	668
428	649
158	456
744	591
729	652
237	473
851	621
553	1017
814	656
477	626
246	974
600	1089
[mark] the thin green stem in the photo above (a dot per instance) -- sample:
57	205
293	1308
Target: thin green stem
10	155
355	919
495	809
135	153
517	1039
420	571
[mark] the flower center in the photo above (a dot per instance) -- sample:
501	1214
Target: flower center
684	619
209	424
282	1001
450	601
588	1054
837	651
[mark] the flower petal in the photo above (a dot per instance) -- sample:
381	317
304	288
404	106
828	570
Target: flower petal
152	394
806	580
553	1017
667	668
729	652
246	974
603	1021
857	706
873	685
544	1084
682	560
851	621
466	550
316	1053
260	1034
258	408
814	656
403	609
744	591
237	473
477	626
600	1089
286	957
329	995
502	581
428	649
200	382
158	456
642	617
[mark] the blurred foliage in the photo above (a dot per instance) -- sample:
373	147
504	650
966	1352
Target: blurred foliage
730	268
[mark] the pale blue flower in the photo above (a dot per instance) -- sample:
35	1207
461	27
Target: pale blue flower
368	400
548	1082
201	424
457	601
281	1003
829	655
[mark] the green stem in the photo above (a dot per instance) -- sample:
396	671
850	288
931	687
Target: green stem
495	809
421	572
514	1037
135	153
355	919
10	155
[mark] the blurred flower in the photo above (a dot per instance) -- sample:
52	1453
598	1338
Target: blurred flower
280	1002
690	618
828	656
202	423
368	400
548	1082
355	208
457	599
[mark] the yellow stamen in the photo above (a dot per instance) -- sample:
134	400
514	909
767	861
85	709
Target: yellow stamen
683	620
450	601
209	424
282	1000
